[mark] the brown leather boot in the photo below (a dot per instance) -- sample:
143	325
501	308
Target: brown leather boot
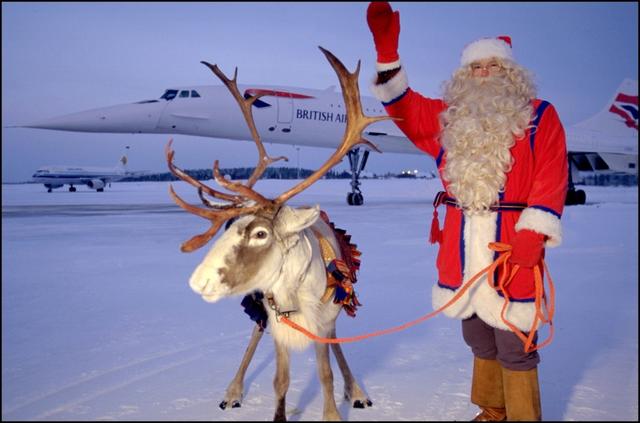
489	414
487	390
522	394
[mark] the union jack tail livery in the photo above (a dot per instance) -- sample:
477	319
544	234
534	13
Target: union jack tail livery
626	106
620	116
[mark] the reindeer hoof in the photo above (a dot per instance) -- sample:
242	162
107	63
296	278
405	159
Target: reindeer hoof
234	404
360	404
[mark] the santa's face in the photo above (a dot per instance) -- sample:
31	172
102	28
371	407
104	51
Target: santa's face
487	67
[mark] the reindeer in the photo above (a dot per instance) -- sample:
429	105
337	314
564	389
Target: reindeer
278	250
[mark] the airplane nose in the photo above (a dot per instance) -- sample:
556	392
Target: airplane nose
124	118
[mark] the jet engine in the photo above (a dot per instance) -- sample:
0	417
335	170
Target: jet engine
97	184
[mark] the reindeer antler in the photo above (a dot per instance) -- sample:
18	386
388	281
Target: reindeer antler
190	180
245	105
248	201
356	123
217	213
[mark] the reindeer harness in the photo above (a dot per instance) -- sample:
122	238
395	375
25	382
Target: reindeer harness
341	275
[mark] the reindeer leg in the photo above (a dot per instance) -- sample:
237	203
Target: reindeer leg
330	411
281	381
352	390
233	395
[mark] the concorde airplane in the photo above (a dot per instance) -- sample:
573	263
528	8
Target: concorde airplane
607	142
311	117
94	177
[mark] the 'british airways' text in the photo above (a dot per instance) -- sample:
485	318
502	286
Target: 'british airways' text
320	116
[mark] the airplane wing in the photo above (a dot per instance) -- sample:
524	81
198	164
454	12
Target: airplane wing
389	143
191	116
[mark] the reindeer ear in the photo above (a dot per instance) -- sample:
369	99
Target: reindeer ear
292	220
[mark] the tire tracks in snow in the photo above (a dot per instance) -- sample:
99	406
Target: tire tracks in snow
69	396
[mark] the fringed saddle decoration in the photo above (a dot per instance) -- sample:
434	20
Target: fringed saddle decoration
341	273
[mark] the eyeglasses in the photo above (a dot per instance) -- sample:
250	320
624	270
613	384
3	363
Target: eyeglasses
491	67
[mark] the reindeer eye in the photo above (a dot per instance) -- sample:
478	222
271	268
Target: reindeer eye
261	234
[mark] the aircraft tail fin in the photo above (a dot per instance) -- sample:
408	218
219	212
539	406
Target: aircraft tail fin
620	116
122	163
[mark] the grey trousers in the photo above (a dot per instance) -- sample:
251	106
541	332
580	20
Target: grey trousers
496	344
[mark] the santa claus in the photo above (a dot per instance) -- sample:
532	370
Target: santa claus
501	155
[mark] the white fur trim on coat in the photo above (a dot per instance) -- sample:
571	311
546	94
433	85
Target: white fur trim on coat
391	89
542	222
482	299
485	48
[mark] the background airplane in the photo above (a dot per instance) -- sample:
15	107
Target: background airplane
606	143
311	117
94	177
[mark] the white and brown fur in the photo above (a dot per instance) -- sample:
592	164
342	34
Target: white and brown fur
280	255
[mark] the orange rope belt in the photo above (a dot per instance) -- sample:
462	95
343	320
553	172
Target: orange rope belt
544	306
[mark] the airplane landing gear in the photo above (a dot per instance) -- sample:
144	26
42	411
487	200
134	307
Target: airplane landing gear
355	197
575	197
72	189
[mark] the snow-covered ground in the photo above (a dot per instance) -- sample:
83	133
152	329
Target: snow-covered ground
99	323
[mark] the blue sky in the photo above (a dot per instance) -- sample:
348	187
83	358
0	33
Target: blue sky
60	58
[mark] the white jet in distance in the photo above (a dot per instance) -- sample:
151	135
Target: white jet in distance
607	142
94	177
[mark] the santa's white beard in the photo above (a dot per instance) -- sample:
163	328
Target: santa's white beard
479	125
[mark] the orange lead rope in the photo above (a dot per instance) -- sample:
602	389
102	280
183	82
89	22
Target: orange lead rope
542	315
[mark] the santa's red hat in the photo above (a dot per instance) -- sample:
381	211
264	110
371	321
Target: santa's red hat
486	48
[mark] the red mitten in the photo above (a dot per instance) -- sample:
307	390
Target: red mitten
384	24
527	248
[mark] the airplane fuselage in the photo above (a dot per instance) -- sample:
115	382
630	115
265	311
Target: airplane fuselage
286	115
74	175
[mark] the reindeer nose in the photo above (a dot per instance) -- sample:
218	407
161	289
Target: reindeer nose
200	280
198	285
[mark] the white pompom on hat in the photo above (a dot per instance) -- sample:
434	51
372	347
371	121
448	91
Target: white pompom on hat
486	48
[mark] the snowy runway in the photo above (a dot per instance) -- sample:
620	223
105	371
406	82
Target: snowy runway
99	323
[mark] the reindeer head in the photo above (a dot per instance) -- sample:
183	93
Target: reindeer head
255	250
252	253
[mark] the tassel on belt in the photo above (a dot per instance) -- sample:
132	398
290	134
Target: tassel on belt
442	198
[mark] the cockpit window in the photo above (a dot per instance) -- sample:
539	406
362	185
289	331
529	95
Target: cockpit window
184	93
194	93
169	95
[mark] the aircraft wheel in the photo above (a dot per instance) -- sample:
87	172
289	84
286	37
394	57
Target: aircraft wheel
100	189
355	199
350	199
49	190
72	189
575	197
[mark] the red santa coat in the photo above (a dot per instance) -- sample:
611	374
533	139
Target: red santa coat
538	179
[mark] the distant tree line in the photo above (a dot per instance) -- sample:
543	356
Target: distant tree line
238	173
